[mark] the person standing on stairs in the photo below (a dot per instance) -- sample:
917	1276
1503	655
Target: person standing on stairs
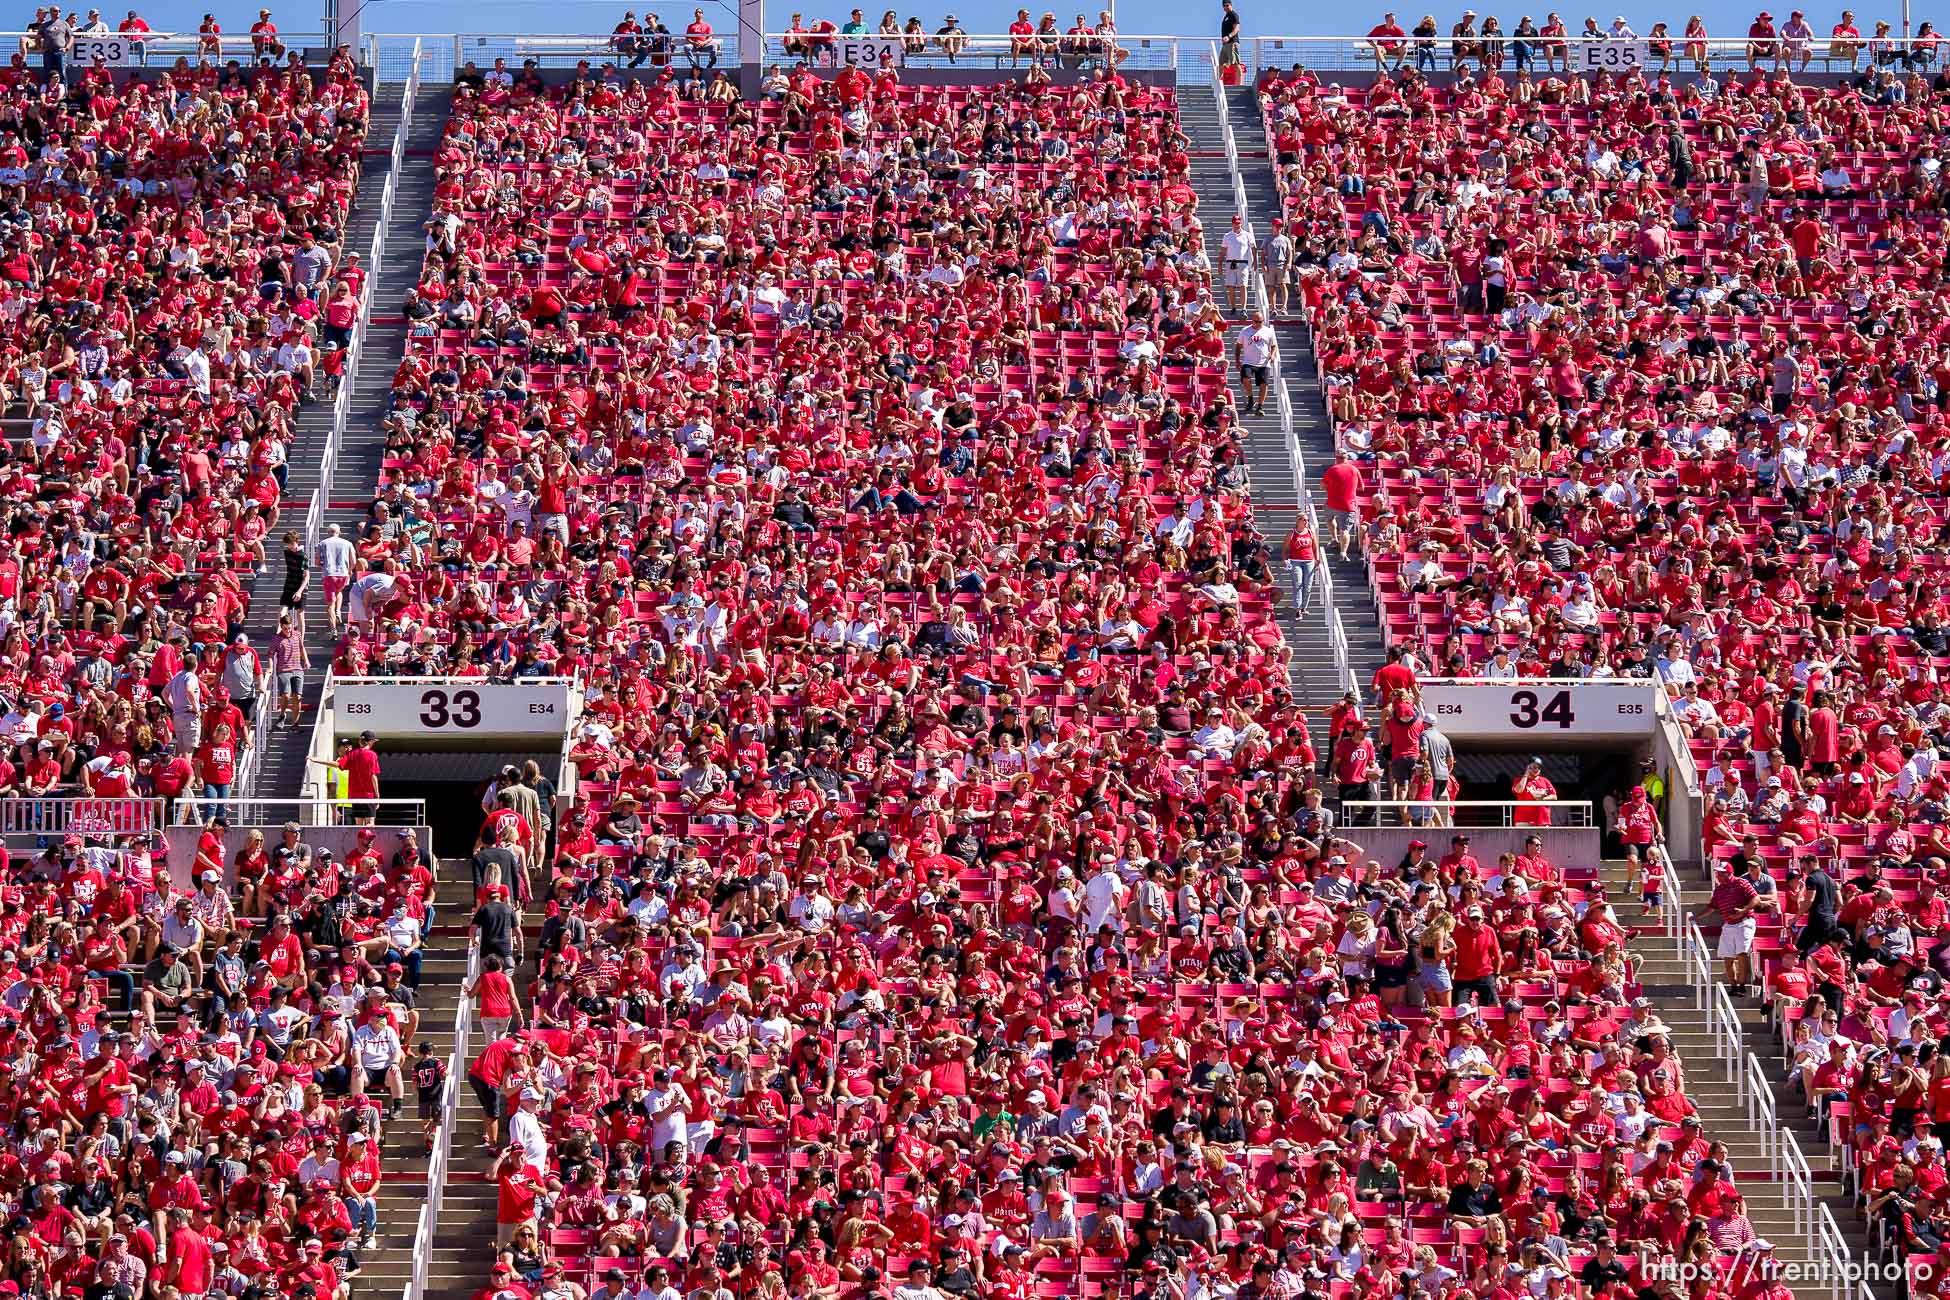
1256	347
289	660
297	581
335	556
1238	250
1341	481
1301	560
1276	264
1735	899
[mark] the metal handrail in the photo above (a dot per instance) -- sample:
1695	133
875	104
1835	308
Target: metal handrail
355	349
1361	53
415	809
79	814
439	1166
1257	297
1672	905
1580	809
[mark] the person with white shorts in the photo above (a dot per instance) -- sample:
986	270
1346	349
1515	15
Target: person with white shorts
1239	250
1736	901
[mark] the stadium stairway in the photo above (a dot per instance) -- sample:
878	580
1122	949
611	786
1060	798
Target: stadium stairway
463	1248
280	771
1723	1112
1276	498
385	1272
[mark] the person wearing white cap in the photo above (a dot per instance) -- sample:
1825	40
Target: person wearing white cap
525	1129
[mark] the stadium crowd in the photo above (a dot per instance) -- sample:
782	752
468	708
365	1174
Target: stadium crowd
196	1089
1644	376
950	906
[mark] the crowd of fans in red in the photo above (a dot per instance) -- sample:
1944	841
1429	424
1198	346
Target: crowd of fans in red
949	907
170	274
195	1089
1646	377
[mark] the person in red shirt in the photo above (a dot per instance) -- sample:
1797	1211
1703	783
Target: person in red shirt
1341	482
216	767
1532	787
1022	37
699	46
264	37
361	767
1761	42
1478	957
1355	768
191	1266
1388	39
520	1191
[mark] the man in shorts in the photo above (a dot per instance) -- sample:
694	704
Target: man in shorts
1256	347
1736	900
334	560
1276	263
1238	250
1341	484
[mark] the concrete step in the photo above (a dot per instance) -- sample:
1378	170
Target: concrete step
1724	1110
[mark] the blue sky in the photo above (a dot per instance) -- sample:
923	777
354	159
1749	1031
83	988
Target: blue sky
1723	17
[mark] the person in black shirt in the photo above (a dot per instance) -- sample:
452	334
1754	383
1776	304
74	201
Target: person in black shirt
871	838
1475	1199
1822	910
500	928
1794	730
1222	1123
494	855
1229	31
429	1082
954	1277
1603	1269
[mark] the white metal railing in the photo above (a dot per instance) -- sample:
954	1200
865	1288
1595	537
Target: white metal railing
163	49
355	350
1362	54
1761	1117
1158	54
987	50
1322	593
1576	813
1697	961
79	814
1672	902
1786	1163
428	1226
264	811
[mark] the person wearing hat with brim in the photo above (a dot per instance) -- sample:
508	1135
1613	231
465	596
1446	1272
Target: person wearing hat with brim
1356	770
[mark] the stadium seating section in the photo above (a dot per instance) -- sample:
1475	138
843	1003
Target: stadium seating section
1644	378
944	882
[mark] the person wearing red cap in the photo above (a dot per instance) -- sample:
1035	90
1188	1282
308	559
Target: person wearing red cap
1761	41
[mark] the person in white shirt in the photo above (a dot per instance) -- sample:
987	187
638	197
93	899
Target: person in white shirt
378	1047
1215	737
811	910
334	557
667	1105
1104	897
525	1129
1239	250
1256	346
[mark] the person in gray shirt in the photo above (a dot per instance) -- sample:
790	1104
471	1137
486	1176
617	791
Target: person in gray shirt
57	38
309	265
1440	755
